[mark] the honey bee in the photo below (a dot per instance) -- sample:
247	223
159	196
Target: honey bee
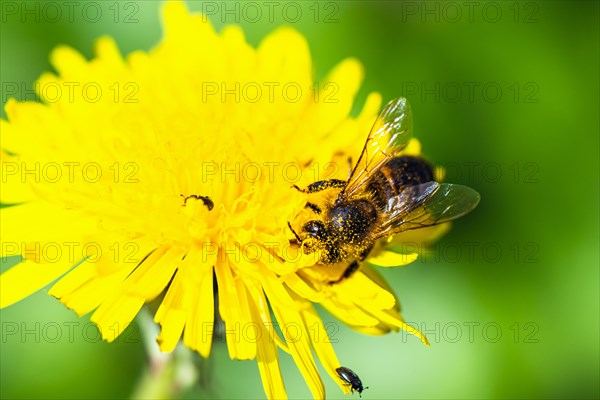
386	194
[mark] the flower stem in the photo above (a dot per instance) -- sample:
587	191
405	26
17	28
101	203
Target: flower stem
167	374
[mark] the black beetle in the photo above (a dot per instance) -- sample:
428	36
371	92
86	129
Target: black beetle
348	376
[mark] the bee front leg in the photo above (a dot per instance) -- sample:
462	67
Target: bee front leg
294	232
363	254
315	208
350	167
322	185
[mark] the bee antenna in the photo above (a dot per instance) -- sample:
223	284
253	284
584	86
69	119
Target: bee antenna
294	232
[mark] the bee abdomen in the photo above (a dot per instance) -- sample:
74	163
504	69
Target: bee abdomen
381	187
409	171
396	174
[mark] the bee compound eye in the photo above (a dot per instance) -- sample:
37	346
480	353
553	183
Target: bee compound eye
315	229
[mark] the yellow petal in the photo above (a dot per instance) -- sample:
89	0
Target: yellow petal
284	57
417	240
266	353
300	286
364	292
391	259
107	51
68	61
74	280
171	315
91	294
243	70
321	342
197	273
234	311
184	31
376	277
200	321
14	188
96	279
26	278
145	283
378	330
344	309
395	321
115	314
337	93
150	278
42	229
413	148
296	335
246	348
256	291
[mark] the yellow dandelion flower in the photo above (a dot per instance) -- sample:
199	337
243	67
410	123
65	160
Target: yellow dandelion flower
172	169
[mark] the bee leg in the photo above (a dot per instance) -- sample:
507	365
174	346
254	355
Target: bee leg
365	253
205	199
315	208
294	232
352	268
350	166
307	164
322	185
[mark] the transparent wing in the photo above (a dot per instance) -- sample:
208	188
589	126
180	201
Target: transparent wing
389	135
427	204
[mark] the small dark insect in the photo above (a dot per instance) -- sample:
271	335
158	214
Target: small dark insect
205	199
348	376
387	193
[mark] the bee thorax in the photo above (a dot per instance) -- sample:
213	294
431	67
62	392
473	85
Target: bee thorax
352	222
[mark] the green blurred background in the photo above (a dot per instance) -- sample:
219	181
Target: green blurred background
510	305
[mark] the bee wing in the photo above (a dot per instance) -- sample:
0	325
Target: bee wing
389	135
427	204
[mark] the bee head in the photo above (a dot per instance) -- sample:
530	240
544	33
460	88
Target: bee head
318	237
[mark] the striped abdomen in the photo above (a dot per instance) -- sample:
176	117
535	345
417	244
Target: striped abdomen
395	175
